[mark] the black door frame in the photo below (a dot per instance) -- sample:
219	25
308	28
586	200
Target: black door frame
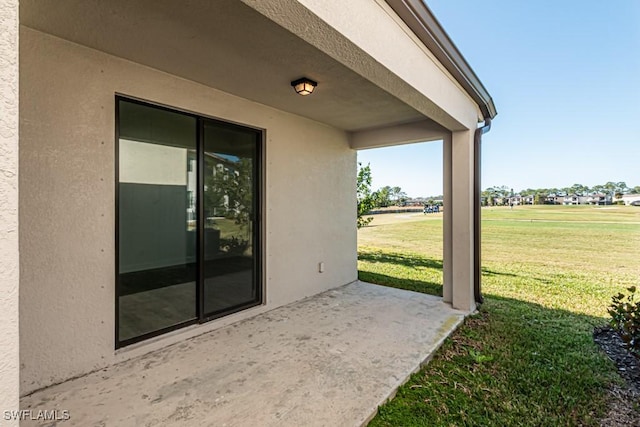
257	229
257	233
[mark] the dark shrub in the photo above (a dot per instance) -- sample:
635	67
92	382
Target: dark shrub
625	318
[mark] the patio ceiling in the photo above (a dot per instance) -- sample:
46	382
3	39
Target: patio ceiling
226	45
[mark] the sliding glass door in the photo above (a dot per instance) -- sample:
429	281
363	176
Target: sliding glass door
187	219
230	179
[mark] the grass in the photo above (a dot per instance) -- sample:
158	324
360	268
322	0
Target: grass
527	358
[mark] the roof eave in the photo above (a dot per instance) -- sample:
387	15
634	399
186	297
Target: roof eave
419	18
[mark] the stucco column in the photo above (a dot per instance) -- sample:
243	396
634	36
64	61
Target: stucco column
9	267
447	261
461	220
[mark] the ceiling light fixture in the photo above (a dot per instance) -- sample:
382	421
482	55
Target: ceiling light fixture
304	86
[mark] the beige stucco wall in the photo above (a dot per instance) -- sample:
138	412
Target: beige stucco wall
67	221
9	349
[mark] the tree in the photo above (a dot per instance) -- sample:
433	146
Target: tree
364	196
229	193
228	189
486	198
578	189
382	197
539	198
398	196
497	194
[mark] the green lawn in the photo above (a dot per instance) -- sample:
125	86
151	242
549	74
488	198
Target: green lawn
527	358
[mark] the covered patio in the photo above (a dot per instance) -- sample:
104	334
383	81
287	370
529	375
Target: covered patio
179	226
328	360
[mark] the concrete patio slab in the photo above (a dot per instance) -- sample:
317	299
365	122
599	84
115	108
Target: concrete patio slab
328	360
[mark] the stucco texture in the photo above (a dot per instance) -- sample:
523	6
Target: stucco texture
67	220
9	271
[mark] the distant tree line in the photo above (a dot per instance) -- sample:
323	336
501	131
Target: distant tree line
394	196
611	189
388	196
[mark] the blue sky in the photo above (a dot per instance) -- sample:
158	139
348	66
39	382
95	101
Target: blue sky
565	78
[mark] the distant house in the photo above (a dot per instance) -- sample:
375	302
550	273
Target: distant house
574	199
418	201
599	199
570	200
519	199
500	201
554	199
515	200
628	199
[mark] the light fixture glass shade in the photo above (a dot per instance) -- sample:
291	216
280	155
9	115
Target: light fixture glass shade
304	86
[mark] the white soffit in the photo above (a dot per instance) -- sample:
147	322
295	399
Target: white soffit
225	45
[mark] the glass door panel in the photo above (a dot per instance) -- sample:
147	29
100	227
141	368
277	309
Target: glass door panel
230	206
157	188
